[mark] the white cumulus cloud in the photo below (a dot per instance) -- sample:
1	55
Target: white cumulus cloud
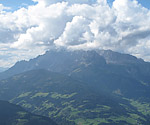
74	24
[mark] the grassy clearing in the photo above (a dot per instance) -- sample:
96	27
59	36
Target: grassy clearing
26	105
65	96
95	121
21	114
47	105
40	94
21	121
144	108
24	95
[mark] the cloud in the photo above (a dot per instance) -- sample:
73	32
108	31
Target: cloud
3	8
74	24
45	25
76	32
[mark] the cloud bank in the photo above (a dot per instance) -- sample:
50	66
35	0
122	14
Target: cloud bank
74	24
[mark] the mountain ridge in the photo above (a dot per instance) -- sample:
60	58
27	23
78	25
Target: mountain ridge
51	62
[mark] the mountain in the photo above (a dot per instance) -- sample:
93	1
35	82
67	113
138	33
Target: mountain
81	87
134	67
57	61
112	57
11	114
66	61
69	101
102	70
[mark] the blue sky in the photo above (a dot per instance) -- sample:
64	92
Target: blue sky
145	3
15	4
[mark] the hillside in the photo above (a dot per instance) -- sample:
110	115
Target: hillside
69	101
11	114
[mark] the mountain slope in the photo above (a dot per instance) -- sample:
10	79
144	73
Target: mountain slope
118	58
69	101
11	114
133	66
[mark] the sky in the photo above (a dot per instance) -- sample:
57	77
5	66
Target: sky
17	4
30	28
